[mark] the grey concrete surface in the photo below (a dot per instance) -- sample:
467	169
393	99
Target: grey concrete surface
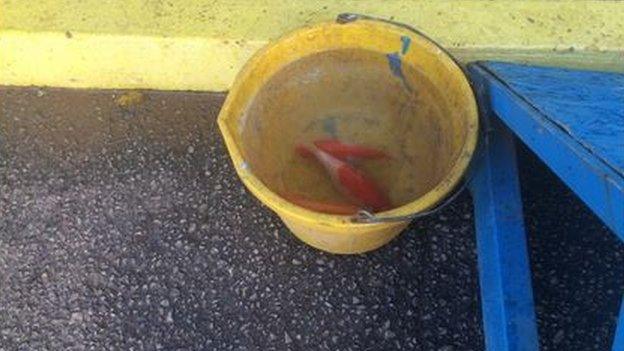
120	229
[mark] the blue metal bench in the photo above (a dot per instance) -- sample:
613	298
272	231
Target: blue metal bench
574	121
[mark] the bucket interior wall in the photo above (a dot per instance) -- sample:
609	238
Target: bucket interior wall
356	96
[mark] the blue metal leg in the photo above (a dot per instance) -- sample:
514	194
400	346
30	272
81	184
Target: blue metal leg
504	275
618	340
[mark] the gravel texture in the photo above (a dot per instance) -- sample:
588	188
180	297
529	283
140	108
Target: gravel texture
577	264
147	246
122	230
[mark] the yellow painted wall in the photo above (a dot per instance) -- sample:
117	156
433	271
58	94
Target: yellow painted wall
201	44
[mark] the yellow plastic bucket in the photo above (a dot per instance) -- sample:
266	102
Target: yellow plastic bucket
364	80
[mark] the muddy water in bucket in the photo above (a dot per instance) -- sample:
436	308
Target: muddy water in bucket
355	96
362	81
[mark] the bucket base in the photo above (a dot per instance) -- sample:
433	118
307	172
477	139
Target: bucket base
345	243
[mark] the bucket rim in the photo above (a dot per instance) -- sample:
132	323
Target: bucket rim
428	200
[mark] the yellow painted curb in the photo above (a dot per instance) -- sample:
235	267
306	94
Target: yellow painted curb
201	45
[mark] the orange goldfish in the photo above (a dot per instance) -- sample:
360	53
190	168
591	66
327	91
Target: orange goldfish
350	181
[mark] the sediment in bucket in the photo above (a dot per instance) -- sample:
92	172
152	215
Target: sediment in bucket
366	82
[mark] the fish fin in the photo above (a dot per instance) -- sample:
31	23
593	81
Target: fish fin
304	151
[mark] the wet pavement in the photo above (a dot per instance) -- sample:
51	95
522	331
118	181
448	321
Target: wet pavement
124	226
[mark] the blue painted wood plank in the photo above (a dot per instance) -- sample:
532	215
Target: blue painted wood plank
597	183
587	105
618	340
504	275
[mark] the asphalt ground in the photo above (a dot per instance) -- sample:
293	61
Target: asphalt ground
124	226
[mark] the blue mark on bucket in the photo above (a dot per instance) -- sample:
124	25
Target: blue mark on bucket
406	41
329	126
394	60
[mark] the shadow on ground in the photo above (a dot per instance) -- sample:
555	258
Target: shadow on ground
577	263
